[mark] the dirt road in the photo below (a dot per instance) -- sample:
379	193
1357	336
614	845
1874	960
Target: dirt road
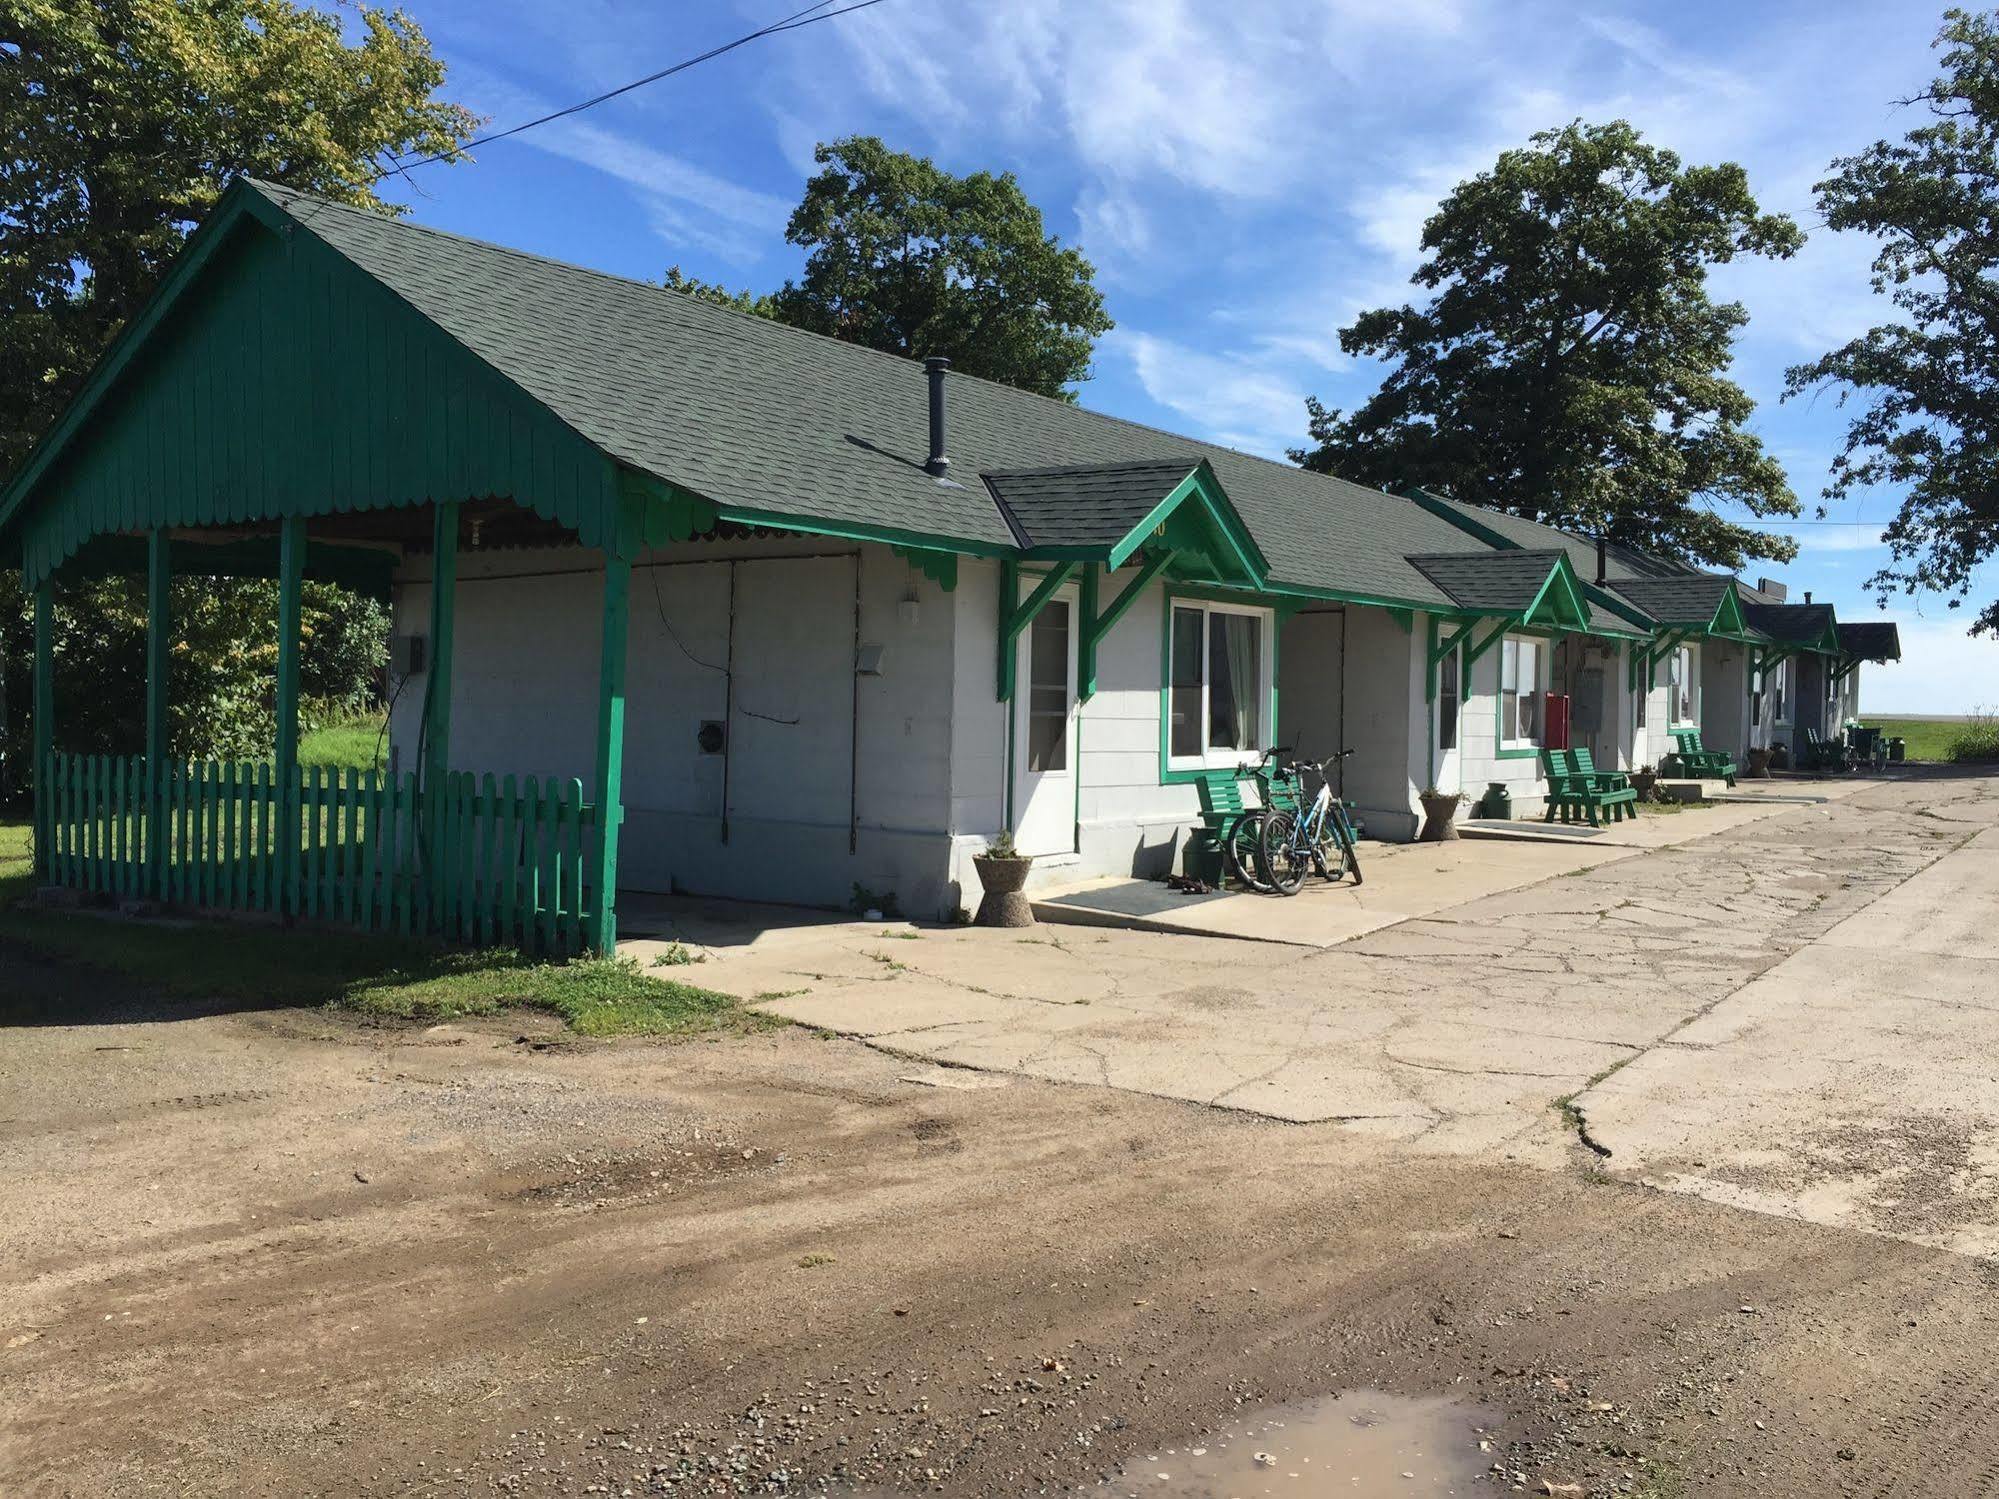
280	1253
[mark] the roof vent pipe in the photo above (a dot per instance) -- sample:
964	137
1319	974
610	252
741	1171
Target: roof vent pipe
1602	558
1808	595
936	465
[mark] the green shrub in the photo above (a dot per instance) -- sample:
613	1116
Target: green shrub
1976	741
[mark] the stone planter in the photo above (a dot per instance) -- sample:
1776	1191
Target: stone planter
1439	818
1001	879
1780	757
1759	765
1645	783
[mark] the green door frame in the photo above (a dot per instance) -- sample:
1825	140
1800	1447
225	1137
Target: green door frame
1015	617
610	769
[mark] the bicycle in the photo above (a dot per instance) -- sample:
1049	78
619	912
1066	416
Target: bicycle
1242	843
1292	843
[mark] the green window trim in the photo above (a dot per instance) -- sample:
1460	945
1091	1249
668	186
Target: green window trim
1272	613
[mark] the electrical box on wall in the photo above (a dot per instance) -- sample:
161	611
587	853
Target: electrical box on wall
712	737
407	654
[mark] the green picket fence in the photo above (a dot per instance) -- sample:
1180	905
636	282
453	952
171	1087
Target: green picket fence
484	861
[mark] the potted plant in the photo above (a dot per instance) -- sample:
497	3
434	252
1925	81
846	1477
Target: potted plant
1645	781
1002	871
1759	764
1440	810
1780	756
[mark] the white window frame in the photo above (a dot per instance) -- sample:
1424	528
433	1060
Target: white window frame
1509	651
1682	675
1210	757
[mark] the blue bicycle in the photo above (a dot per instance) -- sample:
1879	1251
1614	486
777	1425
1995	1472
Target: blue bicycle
1320	836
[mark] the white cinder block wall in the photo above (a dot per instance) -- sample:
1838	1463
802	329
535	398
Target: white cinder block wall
1385	720
829	780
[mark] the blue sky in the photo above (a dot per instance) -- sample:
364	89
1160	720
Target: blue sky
1245	175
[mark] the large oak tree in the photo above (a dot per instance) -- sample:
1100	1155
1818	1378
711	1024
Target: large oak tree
1570	365
1928	386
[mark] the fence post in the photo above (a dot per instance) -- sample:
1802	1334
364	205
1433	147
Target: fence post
44	713
291	578
436	759
603	934
159	641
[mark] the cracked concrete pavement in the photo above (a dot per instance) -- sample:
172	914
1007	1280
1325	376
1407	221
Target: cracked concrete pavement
1792	1013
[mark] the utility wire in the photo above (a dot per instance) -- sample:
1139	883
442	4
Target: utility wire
810	16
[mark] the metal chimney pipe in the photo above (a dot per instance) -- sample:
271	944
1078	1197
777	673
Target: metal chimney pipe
1602	558
1808	595
937	464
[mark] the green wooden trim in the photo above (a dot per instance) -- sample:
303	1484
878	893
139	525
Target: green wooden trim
609	784
1565	606
1097	624
1728	618
159	651
940	568
1015	618
44	713
291	574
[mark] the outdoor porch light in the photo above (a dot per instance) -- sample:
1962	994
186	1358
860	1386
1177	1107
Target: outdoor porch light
909	607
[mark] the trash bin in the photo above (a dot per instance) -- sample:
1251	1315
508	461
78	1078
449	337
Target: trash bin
1897	751
1497	801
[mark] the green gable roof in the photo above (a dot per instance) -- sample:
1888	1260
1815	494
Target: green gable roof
1535	587
368	361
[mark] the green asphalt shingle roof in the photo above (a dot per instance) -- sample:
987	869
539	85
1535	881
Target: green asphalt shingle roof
1796	624
1502	582
750	413
1685	599
1083	507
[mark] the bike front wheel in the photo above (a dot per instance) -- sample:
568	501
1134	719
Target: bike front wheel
1281	857
1242	849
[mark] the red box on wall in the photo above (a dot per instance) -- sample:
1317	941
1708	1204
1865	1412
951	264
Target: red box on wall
1555	720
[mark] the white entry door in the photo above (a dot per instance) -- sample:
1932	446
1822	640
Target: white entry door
1044	730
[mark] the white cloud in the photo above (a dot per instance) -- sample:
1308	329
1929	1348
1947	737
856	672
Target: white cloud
1225	398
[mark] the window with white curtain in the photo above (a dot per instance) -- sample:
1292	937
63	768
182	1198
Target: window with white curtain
1780	693
1448	682
1522	660
1218	683
1681	679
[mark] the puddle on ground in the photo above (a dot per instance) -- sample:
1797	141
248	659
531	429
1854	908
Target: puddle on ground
1356	1444
1363	1442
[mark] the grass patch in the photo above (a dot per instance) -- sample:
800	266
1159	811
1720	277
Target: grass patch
1943	739
388	978
353	744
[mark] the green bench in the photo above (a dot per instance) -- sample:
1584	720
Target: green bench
1221	805
1576	786
1705	764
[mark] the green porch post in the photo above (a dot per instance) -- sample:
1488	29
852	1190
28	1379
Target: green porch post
610	751
436	758
159	640
291	577
44	708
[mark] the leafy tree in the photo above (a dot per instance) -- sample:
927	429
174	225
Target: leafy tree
907	258
1570	365
713	291
124	119
1929	385
222	666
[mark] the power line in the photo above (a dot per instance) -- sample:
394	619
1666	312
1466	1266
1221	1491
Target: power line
810	16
